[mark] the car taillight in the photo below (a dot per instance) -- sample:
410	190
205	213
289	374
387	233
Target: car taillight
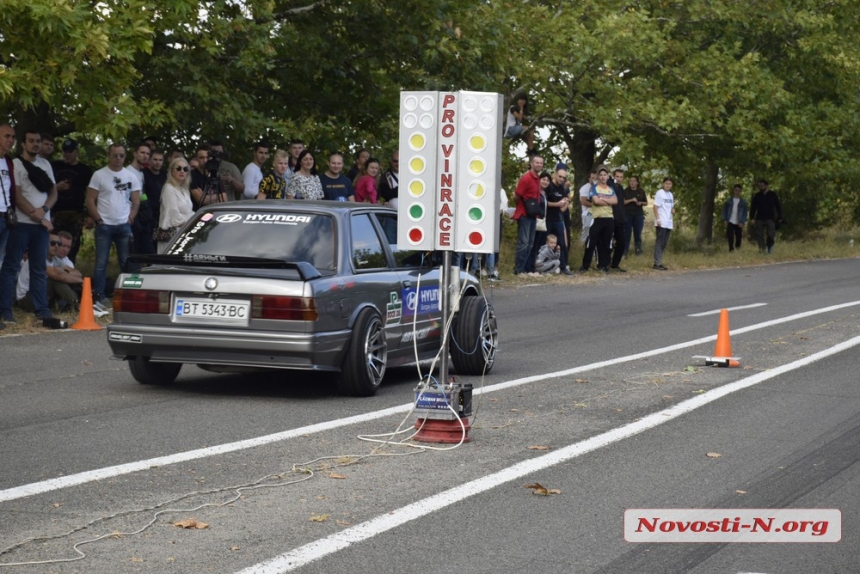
283	308
141	301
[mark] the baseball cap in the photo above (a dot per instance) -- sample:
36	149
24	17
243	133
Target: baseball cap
70	145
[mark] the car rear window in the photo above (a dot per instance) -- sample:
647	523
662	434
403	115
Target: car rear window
287	236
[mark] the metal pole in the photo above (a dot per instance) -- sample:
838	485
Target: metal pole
445	287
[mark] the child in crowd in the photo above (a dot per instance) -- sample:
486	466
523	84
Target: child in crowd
549	257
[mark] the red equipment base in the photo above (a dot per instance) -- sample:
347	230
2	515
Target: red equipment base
442	431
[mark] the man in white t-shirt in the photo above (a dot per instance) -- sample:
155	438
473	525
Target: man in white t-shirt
664	211
253	172
113	198
64	281
35	195
139	161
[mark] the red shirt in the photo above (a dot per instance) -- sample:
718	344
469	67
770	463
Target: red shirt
527	188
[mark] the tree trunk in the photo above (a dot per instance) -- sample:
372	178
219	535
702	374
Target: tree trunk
36	119
705	232
582	151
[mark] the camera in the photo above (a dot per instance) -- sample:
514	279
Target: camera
212	185
213	164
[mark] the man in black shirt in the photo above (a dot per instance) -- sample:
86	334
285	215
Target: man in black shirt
765	213
557	202
618	236
154	178
69	213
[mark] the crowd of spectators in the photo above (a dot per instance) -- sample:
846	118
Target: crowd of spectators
140	198
136	203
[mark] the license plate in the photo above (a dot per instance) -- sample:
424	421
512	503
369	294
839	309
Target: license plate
220	312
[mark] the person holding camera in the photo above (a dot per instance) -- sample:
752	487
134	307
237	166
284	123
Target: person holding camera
231	177
206	187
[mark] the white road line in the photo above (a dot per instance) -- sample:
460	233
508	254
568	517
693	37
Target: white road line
317	549
717	311
111	471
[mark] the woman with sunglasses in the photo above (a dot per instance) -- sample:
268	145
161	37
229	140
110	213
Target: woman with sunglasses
176	206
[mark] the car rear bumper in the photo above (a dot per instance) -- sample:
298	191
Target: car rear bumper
246	348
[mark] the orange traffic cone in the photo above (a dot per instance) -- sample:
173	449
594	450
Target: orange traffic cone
86	318
723	348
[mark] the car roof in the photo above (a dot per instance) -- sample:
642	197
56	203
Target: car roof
341	207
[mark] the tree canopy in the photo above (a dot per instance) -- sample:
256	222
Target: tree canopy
710	91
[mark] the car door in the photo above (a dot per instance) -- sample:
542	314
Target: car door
419	281
377	282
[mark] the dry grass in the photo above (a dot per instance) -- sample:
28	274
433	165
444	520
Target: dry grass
683	254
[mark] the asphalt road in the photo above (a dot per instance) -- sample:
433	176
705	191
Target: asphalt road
582	369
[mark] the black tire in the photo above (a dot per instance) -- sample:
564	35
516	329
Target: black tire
366	357
146	372
474	337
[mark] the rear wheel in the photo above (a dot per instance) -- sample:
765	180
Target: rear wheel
474	337
146	372
366	357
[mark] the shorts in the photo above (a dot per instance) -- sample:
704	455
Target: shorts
514	131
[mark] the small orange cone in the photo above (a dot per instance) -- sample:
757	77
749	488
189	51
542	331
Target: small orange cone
723	348
86	318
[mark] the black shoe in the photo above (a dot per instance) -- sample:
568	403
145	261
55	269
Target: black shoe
54	323
638	251
582	270
568	272
605	271
619	269
661	268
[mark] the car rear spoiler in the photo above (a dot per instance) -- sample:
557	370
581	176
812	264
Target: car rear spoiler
305	269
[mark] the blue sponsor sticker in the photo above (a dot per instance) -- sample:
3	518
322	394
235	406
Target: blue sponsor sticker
427	301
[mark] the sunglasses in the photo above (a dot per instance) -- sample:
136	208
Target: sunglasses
181	168
55	243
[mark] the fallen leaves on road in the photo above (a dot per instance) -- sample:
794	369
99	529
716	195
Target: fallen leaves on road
343	523
191	523
58	504
540	489
538	447
336	475
741	491
116	534
581	381
319	517
714	455
234	548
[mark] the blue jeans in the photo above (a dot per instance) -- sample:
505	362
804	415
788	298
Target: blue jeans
33	239
105	234
525	241
660	244
633	225
4	235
